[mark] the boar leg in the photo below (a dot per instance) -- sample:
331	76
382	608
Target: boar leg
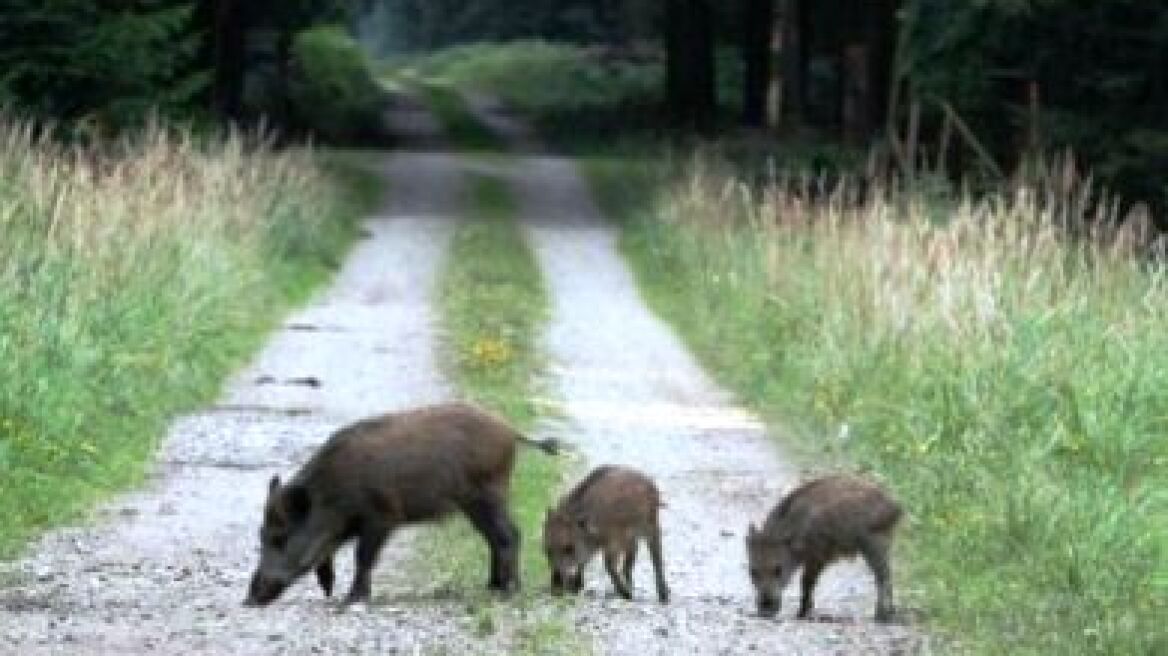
326	576
630	561
576	583
611	559
875	552
508	550
811	571
369	542
489	517
658	564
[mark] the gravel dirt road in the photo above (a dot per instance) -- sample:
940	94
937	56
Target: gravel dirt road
163	570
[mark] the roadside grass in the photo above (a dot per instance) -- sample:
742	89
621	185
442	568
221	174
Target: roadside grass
493	308
132	281
1007	381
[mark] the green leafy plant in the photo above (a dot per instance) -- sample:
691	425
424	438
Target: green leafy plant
333	91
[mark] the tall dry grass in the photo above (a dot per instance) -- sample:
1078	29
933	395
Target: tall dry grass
1000	364
132	276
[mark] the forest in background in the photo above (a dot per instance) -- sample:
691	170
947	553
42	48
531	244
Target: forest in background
982	88
1005	373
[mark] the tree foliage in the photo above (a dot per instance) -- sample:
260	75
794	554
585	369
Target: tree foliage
112	61
406	25
332	92
1085	74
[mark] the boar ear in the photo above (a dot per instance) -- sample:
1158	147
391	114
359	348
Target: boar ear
752	532
298	502
273	485
587	525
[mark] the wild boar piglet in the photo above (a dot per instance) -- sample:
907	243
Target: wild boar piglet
609	511
825	519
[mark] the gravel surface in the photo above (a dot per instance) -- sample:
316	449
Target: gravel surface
633	395
164	570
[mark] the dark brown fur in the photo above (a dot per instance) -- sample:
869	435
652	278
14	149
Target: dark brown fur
378	474
608	511
821	521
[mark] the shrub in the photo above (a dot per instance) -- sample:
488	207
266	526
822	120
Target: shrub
333	92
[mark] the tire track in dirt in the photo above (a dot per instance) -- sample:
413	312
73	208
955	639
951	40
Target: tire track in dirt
633	395
164	569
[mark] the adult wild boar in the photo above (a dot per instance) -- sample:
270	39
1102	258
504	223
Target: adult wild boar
820	521
381	473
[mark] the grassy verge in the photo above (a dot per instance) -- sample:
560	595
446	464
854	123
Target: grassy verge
1010	384
494	308
131	282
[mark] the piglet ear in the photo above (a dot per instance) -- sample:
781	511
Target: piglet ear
273	486
586	525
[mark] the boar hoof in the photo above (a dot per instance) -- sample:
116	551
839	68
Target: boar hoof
355	598
349	607
504	589
576	583
326	578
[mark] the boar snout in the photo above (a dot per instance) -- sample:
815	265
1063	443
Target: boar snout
263	590
768	606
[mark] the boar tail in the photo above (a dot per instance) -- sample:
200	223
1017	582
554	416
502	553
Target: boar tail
549	445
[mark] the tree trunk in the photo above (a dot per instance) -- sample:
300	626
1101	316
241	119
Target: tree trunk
228	36
689	42
882	31
795	35
856	100
756	54
283	69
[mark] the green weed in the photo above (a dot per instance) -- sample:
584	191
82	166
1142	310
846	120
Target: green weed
132	280
1008	382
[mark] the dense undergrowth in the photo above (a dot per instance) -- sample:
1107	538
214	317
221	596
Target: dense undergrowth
1006	378
132	280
